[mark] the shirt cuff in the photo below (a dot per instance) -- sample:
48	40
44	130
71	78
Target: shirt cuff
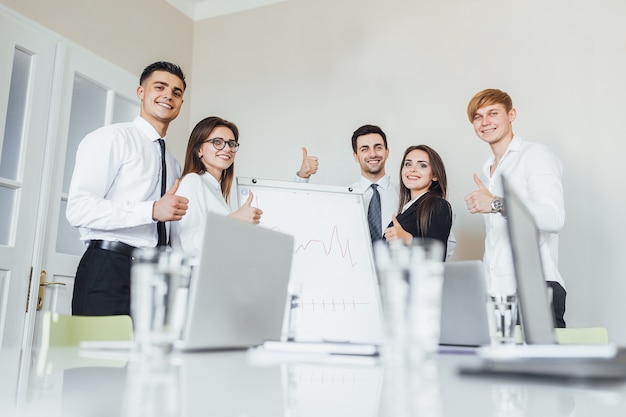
300	179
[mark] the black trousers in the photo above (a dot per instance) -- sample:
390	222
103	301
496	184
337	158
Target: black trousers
102	284
558	302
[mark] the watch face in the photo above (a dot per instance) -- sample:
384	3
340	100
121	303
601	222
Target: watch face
496	205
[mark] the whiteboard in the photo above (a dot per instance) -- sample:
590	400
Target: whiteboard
333	268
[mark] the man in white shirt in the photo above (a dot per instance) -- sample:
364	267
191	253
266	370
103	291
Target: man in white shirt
370	151
535	173
115	195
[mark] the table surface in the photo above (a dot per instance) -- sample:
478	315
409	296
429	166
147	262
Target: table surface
73	382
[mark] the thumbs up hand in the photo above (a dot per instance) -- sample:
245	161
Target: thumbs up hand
479	201
309	165
396	232
247	213
170	207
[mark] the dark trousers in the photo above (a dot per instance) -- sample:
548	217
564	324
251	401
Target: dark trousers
102	284
558	302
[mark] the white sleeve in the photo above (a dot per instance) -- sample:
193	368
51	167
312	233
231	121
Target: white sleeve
191	226
300	179
98	160
545	190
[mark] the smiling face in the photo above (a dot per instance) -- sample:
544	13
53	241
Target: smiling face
371	154
161	96
417	173
493	124
216	161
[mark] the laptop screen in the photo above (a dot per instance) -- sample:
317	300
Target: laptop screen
534	308
238	290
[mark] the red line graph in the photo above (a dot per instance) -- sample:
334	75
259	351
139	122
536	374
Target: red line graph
344	250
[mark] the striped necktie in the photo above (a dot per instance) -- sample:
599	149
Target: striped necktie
373	215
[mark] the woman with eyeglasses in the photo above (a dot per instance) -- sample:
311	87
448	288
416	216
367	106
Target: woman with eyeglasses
207	179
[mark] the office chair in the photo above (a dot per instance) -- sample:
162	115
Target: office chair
574	335
582	336
61	336
62	330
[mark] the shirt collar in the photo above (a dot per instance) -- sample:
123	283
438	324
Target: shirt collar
211	179
407	205
384	182
514	146
146	128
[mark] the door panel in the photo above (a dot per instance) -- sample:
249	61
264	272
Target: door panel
95	93
25	91
43	81
51	94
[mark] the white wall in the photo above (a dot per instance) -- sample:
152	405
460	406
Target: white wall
130	34
308	72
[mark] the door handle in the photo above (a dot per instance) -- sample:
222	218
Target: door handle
42	285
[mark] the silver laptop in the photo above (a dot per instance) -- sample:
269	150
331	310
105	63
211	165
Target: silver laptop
534	307
541	356
238	288
463	305
535	312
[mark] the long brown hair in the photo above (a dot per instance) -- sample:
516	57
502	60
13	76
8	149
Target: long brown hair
199	134
437	189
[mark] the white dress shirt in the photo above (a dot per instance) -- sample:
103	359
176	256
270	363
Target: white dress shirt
389	197
535	174
205	195
116	180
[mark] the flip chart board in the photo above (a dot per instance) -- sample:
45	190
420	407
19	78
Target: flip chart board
333	269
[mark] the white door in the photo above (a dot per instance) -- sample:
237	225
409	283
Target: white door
27	62
52	93
94	93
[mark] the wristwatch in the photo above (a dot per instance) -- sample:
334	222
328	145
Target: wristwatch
497	205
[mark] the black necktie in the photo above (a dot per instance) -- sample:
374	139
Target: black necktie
373	215
161	225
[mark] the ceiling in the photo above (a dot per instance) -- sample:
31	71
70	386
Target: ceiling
205	9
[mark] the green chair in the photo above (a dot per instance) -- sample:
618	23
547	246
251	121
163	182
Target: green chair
574	335
61	336
582	336
62	330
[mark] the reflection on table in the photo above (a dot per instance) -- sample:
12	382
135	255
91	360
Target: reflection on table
72	382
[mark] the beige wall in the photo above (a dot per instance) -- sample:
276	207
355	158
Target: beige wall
131	34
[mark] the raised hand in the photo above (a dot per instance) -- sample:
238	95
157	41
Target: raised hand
247	213
479	201
396	232
309	165
170	207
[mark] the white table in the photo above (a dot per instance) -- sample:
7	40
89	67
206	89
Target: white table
69	382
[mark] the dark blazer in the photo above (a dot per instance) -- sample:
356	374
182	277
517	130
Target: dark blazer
440	221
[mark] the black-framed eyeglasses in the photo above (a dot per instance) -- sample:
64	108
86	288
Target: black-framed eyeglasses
220	143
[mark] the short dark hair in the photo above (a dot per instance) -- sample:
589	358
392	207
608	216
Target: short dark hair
163	66
366	130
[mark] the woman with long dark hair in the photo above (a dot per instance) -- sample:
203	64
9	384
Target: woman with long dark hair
207	179
423	211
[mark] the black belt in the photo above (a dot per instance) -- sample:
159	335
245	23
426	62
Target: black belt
119	247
